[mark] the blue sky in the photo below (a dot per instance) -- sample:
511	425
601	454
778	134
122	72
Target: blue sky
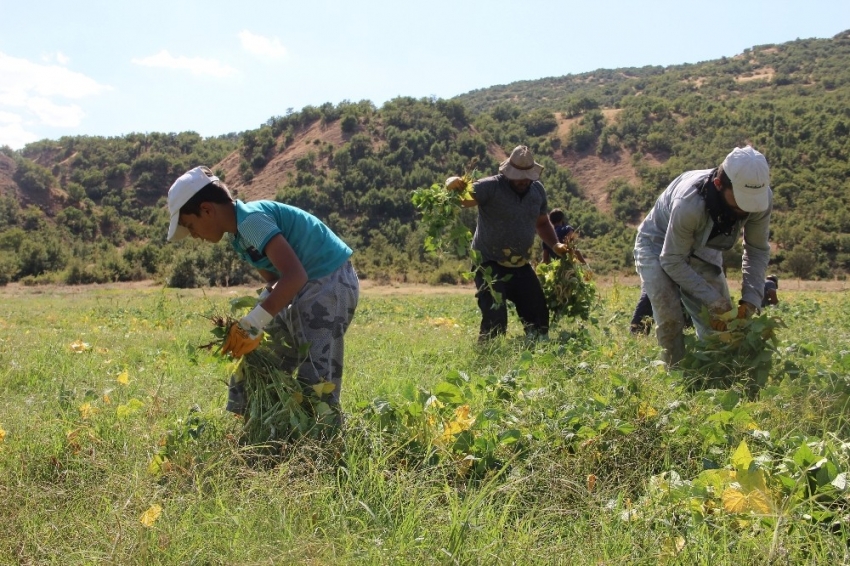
109	68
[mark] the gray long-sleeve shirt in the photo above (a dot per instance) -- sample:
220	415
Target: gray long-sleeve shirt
679	226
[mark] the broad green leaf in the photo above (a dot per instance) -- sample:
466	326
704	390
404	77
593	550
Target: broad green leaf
723	417
448	392
729	400
626	428
752	480
242	303
323	409
804	457
827	472
717	480
510	436
742	458
490	415
457	378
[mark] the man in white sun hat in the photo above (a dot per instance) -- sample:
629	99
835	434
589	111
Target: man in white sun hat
679	244
512	209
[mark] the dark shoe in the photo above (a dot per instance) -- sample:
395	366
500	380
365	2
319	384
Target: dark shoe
237	401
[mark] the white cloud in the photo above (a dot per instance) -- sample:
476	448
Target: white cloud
58	57
195	65
12	132
10	118
31	96
56	115
22	78
263	46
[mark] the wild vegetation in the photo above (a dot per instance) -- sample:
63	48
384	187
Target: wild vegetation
115	447
91	209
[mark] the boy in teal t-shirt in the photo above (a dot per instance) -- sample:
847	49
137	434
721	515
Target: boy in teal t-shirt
311	288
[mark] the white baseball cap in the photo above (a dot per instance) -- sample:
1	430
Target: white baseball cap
184	188
750	176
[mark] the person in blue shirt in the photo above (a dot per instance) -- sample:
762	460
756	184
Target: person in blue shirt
771	285
311	289
562	230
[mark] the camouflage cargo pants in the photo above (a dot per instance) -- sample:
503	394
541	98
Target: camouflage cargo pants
308	335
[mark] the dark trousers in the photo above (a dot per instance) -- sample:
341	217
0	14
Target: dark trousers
642	317
643	310
518	285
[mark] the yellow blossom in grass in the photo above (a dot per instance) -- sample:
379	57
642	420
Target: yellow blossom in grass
646	411
2	434
461	422
78	346
132	406
150	516
87	411
442	322
123	378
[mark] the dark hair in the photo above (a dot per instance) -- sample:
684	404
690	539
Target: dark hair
775	280
214	192
725	181
556	216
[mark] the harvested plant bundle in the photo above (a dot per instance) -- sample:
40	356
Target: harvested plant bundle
279	407
441	215
567	285
743	354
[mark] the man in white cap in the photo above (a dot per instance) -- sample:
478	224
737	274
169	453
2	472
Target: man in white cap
311	287
679	244
512	208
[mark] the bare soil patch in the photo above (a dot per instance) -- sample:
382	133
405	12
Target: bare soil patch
279	169
373	288
763	74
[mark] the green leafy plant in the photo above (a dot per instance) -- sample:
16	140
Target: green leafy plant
279	407
742	355
441	215
567	285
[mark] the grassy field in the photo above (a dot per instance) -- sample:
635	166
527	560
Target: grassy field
115	448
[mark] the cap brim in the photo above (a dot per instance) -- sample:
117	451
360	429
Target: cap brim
175	230
752	201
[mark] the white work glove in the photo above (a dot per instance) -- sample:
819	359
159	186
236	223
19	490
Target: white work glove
255	321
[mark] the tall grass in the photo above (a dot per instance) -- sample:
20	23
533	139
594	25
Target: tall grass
110	411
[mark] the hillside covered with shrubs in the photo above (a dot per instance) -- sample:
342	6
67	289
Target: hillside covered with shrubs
92	209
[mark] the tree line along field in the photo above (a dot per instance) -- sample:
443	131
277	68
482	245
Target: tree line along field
90	209
115	448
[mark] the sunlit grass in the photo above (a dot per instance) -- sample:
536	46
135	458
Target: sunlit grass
94	381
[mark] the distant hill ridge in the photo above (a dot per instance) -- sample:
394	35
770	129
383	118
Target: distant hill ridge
610	141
